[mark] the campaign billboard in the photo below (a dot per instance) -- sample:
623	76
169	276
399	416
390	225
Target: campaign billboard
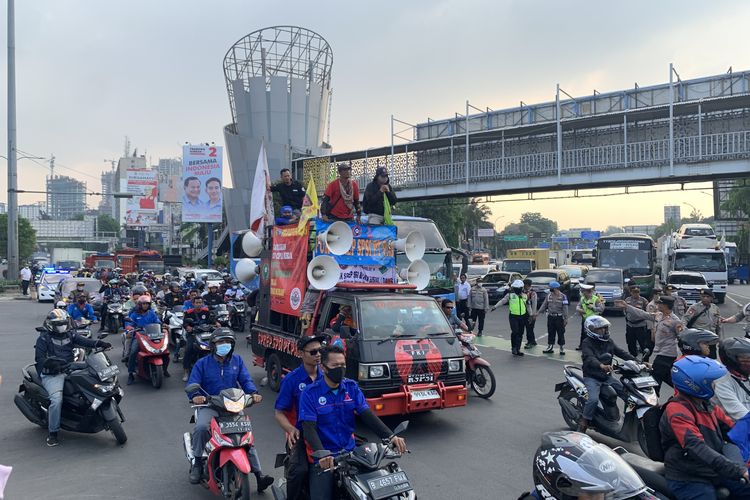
288	269
201	183
142	209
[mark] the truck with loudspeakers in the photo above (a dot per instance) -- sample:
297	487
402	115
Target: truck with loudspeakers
341	280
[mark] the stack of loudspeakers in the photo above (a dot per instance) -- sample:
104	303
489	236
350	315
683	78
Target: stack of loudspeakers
418	272
323	272
246	269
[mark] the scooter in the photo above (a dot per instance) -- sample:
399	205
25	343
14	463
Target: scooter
367	472
91	396
115	315
173	319
641	398
220	313
201	340
226	469
478	372
153	354
83	328
237	311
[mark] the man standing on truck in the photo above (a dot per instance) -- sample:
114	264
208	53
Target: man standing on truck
341	197
287	408
327	410
290	191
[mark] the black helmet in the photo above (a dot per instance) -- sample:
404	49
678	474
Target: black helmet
731	351
597	327
139	289
57	322
222	334
688	340
569	464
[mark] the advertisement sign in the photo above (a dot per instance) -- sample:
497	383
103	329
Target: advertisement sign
591	235
169	188
485	232
368	274
201	183
372	246
288	269
141	209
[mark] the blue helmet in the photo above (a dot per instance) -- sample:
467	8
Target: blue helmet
694	376
554	284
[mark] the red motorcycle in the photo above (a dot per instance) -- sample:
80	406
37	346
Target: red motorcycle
478	372
153	353
227	468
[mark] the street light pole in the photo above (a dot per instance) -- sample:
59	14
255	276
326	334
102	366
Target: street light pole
13	257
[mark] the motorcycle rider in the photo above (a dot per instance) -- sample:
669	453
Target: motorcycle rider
135	294
448	307
80	290
287	407
517	316
197	315
234	293
597	352
81	309
694	433
173	297
139	317
53	352
327	411
189	283
697	342
733	389
212	297
222	370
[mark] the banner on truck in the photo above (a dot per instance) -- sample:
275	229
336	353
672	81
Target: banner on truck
372	246
288	269
201	183
141	209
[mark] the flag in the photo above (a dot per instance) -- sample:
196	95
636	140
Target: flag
387	218
261	203
310	206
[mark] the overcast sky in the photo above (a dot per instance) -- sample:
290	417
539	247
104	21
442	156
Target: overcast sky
90	72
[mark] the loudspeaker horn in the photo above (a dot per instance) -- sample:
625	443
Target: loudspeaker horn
323	272
413	245
251	244
418	273
246	270
338	238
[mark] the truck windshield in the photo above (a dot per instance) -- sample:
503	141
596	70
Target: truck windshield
103	263
155	266
702	262
517	266
384	319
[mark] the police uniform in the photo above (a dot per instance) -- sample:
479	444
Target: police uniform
517	318
637	333
556	306
706	317
680	304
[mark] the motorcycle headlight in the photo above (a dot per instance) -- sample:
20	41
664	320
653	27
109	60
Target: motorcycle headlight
234	406
105	387
455	365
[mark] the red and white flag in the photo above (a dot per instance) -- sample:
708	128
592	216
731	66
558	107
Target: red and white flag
261	201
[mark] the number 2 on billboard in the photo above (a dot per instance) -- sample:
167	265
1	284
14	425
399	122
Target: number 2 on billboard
212	151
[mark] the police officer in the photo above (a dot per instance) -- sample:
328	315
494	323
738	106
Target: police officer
531	308
704	315
743	314
637	334
516	301
287	408
680	304
556	305
327	411
589	305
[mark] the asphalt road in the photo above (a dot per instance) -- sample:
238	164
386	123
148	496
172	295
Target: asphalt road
481	451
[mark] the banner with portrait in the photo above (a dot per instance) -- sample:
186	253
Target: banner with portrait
201	183
142	209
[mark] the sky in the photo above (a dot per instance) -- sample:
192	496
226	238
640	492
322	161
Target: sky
90	72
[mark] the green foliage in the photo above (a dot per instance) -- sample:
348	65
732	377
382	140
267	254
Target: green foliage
738	200
76	217
532	222
612	230
456	218
106	224
26	237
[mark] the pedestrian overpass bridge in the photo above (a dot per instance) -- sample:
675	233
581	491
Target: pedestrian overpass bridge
684	131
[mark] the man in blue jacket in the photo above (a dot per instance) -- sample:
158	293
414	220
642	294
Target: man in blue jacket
139	317
222	370
81	309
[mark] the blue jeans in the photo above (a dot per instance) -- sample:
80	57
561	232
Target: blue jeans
133	353
694	490
594	387
53	384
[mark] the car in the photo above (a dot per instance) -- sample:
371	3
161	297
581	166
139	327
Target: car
212	274
541	278
48	282
497	284
577	274
497	264
610	284
476	271
689	284
91	287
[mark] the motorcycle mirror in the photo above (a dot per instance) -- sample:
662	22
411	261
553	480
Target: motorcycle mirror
401	427
194	387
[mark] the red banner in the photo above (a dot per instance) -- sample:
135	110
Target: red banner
288	269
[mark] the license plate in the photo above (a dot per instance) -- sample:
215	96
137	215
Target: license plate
108	372
387	486
155	336
418	378
647	381
235	426
424	395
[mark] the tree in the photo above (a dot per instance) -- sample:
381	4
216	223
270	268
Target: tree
738	200
76	217
450	216
613	230
106	224
530	223
26	237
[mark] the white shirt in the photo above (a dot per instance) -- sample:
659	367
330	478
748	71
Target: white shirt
463	290
26	274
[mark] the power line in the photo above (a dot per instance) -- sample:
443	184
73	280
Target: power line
57	164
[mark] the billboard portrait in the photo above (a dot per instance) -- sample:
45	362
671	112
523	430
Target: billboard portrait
201	183
141	209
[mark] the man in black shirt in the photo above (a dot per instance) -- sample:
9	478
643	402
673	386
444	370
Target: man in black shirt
292	193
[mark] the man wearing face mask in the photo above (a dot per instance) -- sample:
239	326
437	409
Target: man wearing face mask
139	317
327	410
222	370
81	309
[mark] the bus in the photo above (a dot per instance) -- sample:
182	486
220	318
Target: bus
634	253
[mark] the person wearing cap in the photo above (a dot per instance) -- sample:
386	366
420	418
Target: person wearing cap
286	410
680	304
556	305
531	308
375	194
80	290
637	334
590	304
516	301
341	197
287	216
668	327
290	191
704	315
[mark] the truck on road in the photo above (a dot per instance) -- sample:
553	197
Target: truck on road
68	258
525	260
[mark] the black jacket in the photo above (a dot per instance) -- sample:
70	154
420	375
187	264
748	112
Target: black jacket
212	299
592	351
372	202
291	195
48	346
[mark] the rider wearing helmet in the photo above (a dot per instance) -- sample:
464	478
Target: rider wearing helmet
597	353
139	317
81	309
567	465
222	370
173	297
516	301
212	297
61	305
733	389
694	433
79	290
235	292
54	351
695	341
135	294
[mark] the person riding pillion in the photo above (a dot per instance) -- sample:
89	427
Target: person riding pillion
733	389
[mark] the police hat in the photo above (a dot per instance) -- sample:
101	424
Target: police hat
666	299
707	291
670	287
306	339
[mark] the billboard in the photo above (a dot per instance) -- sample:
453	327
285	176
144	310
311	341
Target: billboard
201	183
141	209
169	188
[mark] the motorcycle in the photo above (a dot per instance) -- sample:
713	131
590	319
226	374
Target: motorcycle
479	375
91	397
83	328
153	354
367	472
115	315
237	310
226	469
220	313
201	340
173	319
641	398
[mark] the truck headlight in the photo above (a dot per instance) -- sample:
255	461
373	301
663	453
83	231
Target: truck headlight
373	371
455	365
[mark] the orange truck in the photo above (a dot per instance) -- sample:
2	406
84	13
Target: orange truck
131	260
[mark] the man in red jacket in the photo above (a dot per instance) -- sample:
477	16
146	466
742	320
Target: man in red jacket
341	197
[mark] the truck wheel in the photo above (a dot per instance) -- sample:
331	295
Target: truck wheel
274	370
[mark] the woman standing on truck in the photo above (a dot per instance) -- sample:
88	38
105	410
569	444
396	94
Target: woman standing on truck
376	192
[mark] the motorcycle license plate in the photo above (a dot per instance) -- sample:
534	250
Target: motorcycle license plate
647	381
107	372
387	486
424	395
235	426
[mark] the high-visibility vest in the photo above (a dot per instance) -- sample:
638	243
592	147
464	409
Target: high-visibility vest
517	305
588	305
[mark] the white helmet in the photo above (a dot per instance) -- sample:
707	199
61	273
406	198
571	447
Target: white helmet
61	305
597	327
517	284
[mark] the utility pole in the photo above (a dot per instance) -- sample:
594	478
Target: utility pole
13	257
